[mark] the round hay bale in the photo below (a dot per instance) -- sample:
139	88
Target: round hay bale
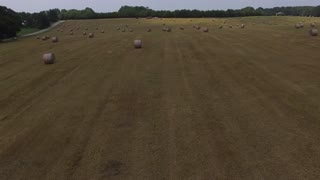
149	30
131	30
84	33
181	28
205	29
220	27
71	33
71	30
48	58
230	26
313	32
298	26
91	35
54	39
102	31
313	25
137	44
123	30
164	29
169	29
242	26
44	38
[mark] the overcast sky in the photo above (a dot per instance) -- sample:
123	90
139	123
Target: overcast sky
114	5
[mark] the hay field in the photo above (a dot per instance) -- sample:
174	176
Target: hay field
228	104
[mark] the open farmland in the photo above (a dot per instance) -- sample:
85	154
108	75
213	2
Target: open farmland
231	103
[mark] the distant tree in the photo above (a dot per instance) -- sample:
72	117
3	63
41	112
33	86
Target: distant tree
316	11
10	23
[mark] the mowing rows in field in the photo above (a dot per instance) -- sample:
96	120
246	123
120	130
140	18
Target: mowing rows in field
71	30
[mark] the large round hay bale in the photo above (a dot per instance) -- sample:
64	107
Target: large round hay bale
137	44
313	25
169	29
84	33
48	58
164	29
205	29
242	26
91	35
313	32
54	39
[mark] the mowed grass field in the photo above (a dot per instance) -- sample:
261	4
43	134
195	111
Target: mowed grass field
228	104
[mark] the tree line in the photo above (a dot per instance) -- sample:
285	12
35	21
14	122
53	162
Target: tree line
11	22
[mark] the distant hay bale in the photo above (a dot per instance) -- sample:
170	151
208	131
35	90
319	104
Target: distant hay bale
164	29
102	31
181	28
163	24
48	58
149	30
71	33
313	25
313	32
84	33
169	29
220	27
242	26
230	26
298	26
131	30
44	38
137	44
123	30
91	35
54	39
205	29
